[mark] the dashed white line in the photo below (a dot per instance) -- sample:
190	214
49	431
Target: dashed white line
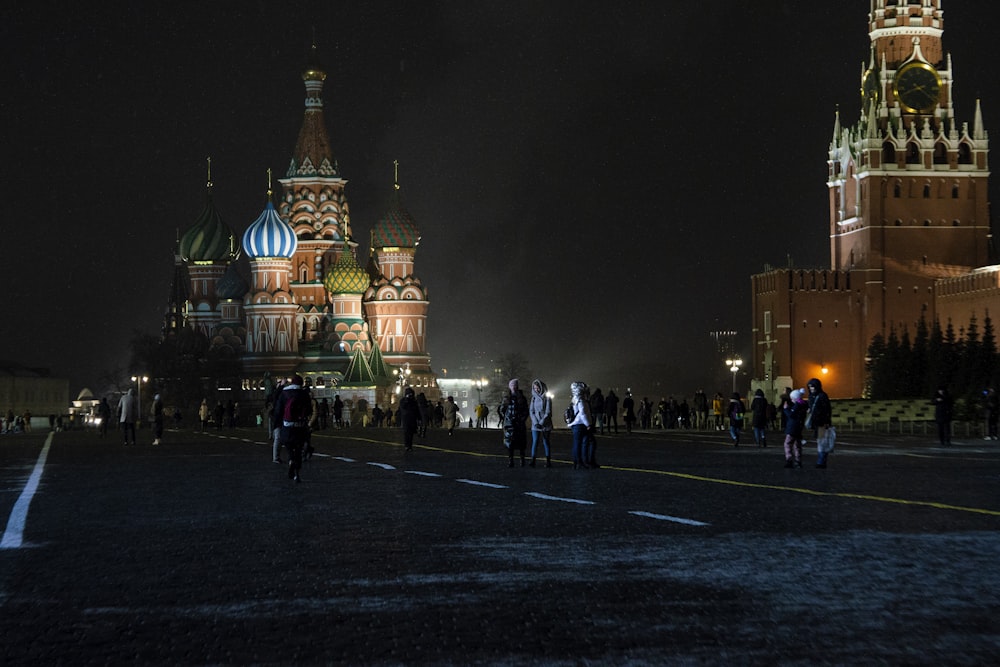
564	500
383	466
486	484
675	519
421	473
342	458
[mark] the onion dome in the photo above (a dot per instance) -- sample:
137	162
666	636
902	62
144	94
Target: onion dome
269	236
208	240
231	285
346	276
396	228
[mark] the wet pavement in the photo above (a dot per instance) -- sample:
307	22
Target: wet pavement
680	549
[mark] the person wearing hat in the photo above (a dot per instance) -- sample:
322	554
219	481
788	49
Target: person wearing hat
515	411
795	418
293	408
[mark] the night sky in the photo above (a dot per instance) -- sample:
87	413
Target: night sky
593	188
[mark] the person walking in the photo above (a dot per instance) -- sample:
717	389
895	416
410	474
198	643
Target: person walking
128	413
203	414
610	411
735	413
408	416
156	412
717	410
104	412
628	407
581	424
541	421
992	401
450	410
943	415
597	409
294	407
515	412
819	418
795	417
758	418
701	409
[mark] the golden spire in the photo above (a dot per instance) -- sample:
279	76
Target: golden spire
347	227
395	174
269	193
209	159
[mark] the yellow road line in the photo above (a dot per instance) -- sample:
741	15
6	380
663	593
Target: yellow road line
729	482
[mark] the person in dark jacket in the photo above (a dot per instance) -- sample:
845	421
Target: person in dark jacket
819	418
943	415
294	422
515	412
992	413
735	412
408	417
758	419
794	418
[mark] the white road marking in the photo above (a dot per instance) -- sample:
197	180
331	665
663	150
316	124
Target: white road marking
564	500
486	484
422	473
383	466
675	519
13	536
341	458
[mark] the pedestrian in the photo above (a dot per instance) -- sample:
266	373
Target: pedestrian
408	416
425	412
338	411
597	409
992	413
104	412
611	411
515	412
735	413
203	414
795	416
701	409
784	402
758	418
219	415
450	411
128	413
156	413
717	410
628	411
943	415
294	405
541	421
819	418
580	424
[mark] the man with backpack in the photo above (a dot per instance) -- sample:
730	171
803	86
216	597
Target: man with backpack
294	407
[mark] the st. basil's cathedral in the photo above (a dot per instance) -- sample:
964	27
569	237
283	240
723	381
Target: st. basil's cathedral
309	306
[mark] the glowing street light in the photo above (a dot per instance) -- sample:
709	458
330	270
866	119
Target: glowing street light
482	382
402	377
139	380
734	365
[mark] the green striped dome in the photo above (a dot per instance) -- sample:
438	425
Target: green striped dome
208	239
346	276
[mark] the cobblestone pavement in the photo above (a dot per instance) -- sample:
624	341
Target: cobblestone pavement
681	549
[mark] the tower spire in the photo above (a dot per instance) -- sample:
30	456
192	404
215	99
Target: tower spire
978	131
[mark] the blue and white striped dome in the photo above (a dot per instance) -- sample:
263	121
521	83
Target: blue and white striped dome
269	236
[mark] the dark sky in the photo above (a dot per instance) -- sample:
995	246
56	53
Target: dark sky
594	188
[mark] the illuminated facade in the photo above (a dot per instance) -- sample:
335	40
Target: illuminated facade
309	307
909	217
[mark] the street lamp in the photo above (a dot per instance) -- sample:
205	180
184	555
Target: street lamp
402	376
482	382
734	365
139	380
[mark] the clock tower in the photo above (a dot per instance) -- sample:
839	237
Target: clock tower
908	201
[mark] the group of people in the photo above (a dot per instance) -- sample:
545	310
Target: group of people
801	410
16	423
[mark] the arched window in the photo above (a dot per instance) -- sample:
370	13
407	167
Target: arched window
888	153
927	190
954	191
912	153
897	190
964	154
940	153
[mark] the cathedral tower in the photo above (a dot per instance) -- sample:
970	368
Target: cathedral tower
270	308
314	205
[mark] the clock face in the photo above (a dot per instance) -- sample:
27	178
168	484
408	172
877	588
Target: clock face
917	87
870	87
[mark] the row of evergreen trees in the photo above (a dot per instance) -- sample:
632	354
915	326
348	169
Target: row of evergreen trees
964	362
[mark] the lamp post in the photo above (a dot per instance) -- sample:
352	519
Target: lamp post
402	375
139	380
480	383
734	366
